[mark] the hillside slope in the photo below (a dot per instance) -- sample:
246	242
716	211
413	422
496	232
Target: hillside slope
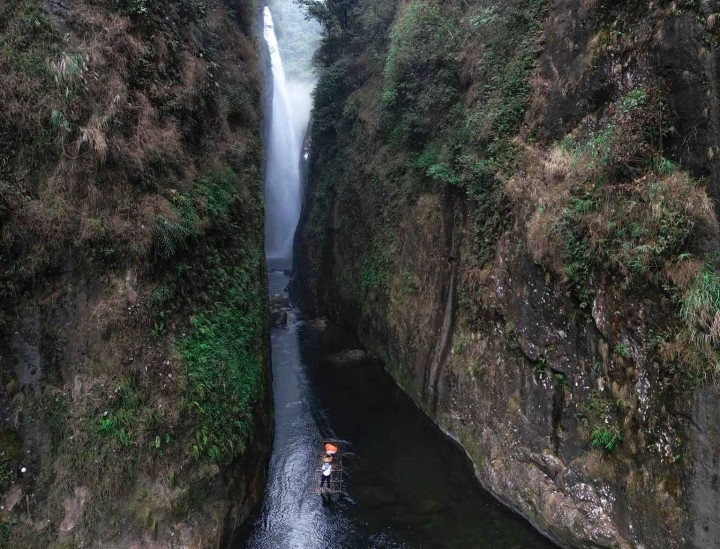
512	203
135	406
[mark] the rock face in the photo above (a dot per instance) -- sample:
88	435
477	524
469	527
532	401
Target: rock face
135	405
486	206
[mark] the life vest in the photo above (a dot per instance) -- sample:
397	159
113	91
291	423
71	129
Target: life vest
330	449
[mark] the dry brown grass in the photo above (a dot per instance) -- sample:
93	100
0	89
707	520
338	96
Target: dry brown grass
671	209
93	135
69	68
631	224
543	188
683	272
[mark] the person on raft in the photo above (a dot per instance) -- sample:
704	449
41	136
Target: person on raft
326	471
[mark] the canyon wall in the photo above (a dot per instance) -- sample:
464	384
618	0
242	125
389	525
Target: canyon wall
514	205
134	359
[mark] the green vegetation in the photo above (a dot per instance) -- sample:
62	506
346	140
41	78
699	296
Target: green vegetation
460	341
377	265
223	349
606	439
225	362
172	235
630	211
211	303
213	197
622	350
540	365
701	308
7	524
420	79
406	88
599	414
632	215
119	422
152	10
561	380
424	112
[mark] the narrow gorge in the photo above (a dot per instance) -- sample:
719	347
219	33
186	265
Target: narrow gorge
489	235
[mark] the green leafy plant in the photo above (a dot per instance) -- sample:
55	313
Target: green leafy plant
606	439
701	308
61	125
377	264
561	380
622	350
171	235
119	421
540	365
140	8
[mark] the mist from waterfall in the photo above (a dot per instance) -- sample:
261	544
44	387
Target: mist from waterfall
289	117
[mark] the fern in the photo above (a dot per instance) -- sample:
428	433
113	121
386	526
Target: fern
162	294
171	236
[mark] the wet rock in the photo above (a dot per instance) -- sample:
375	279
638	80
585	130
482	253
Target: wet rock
317	323
132	296
58	8
343	357
11	498
25	344
548	463
279	300
73	509
278	317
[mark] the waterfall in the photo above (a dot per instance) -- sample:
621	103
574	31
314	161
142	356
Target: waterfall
289	116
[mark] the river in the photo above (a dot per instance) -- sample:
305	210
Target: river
406	485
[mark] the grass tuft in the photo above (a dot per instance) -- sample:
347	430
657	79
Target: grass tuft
701	309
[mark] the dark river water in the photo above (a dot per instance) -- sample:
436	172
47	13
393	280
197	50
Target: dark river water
406	485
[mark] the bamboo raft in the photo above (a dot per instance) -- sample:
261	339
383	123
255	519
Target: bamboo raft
336	476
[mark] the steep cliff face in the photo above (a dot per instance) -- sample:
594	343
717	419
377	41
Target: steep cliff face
135	409
511	203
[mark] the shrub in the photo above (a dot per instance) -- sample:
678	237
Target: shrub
69	68
213	198
622	350
136	7
634	228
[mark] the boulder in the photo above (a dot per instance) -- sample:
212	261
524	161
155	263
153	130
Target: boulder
279	300
278	317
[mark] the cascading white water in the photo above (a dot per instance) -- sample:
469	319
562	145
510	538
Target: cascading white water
291	104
